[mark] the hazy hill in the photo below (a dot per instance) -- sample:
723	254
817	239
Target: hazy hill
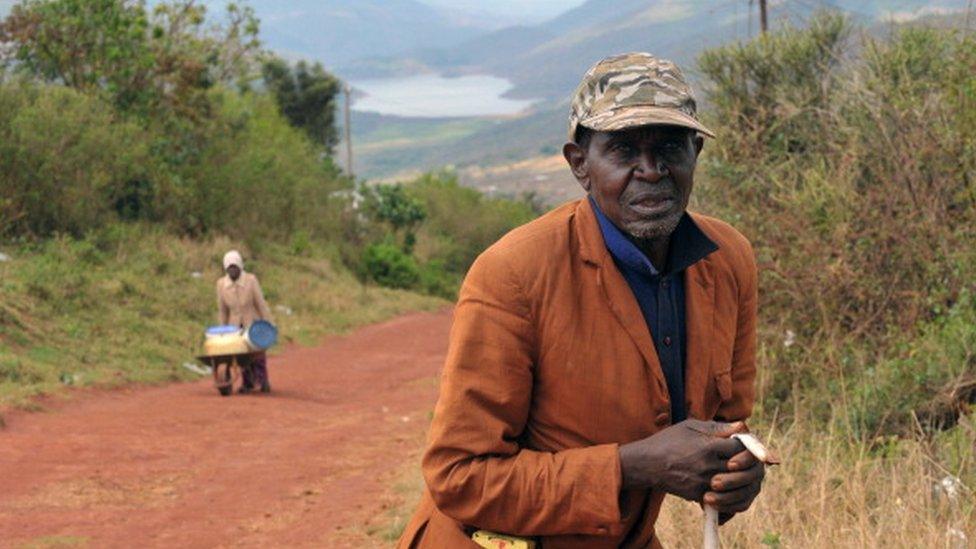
546	60
338	31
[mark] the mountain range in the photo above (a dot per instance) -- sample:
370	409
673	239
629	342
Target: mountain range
545	60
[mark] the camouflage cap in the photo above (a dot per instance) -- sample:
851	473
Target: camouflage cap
633	89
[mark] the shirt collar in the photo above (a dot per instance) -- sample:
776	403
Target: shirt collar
689	244
228	282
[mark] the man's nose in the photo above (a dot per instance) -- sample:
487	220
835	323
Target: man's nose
650	167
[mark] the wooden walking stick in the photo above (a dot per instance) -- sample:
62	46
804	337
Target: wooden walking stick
764	455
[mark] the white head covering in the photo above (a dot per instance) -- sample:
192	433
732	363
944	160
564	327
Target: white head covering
233	257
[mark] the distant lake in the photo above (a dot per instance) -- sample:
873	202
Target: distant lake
432	95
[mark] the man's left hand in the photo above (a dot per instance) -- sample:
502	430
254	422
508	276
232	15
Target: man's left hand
733	492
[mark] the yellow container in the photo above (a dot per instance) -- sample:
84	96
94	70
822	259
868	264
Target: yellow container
492	540
225	344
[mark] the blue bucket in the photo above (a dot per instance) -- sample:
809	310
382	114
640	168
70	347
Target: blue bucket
262	335
222	329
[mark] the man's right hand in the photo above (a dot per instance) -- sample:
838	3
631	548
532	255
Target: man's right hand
681	459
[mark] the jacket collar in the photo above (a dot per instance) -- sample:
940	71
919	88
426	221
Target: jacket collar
699	280
688	245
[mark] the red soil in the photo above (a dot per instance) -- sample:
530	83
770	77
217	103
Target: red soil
179	466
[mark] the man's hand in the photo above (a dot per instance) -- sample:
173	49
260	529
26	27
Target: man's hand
734	491
686	459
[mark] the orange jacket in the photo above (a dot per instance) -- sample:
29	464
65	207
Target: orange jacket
551	367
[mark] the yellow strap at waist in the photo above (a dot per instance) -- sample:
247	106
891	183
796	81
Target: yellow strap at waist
492	540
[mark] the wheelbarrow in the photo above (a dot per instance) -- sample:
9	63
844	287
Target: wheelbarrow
230	351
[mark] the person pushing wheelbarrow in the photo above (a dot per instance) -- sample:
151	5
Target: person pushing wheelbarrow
240	302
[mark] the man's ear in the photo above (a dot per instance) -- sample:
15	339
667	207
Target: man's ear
698	141
576	158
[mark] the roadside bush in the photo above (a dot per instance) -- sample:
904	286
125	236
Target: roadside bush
462	222
392	206
66	160
257	177
70	164
434	230
852	171
387	264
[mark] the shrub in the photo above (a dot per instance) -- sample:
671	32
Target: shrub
387	264
255	176
462	222
65	160
70	164
853	176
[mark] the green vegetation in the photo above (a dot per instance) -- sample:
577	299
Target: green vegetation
161	126
127	304
151	64
389	145
434	230
307	96
135	149
849	164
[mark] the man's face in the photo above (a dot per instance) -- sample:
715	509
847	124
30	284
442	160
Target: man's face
234	272
641	178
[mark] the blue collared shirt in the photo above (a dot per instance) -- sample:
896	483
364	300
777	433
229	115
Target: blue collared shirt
661	295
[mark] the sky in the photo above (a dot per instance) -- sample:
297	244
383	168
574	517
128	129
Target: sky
516	11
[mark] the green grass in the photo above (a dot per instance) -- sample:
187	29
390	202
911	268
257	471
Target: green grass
128	305
387	145
422	130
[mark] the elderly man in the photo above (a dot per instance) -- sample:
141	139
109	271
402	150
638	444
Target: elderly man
598	352
240	302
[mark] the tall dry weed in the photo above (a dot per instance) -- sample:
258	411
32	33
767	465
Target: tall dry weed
850	163
834	491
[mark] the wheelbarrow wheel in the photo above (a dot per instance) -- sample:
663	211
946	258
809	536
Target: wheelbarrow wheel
224	379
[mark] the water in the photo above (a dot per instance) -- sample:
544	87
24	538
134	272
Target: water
432	95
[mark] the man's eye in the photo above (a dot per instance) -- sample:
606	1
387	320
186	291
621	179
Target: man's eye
671	149
622	148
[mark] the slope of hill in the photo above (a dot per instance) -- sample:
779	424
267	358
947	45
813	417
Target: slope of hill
336	32
546	60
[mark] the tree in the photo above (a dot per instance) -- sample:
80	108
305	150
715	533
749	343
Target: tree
391	204
143	62
306	96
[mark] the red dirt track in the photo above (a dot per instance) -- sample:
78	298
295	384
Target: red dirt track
179	466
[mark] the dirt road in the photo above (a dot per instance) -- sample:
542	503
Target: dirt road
179	466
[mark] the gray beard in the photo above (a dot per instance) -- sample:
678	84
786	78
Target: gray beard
643	230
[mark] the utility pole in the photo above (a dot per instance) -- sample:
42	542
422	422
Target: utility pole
749	36
348	129
763	20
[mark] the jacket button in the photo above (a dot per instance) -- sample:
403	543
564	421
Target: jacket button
662	419
667	341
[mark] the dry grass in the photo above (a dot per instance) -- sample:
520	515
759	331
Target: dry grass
835	492
831	491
